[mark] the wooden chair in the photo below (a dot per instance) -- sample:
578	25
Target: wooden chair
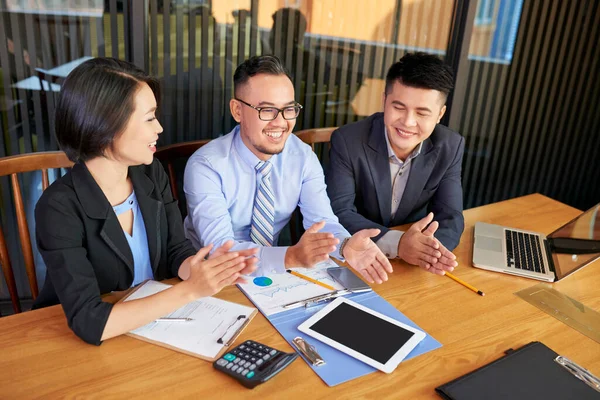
314	136
12	166
168	155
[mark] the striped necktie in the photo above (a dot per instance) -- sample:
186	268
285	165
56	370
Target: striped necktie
263	213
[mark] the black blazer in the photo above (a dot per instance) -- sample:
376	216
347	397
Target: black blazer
85	249
359	183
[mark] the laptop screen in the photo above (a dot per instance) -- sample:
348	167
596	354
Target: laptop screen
586	226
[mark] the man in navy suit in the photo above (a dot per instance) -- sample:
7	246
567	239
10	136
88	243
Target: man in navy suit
401	166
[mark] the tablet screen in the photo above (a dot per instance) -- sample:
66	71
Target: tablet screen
362	332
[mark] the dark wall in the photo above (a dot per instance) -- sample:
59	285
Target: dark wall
532	126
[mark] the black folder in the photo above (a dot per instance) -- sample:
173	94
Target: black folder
529	372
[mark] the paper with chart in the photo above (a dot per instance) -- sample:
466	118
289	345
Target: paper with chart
212	319
270	293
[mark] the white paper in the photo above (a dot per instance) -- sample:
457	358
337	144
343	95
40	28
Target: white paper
212	319
286	288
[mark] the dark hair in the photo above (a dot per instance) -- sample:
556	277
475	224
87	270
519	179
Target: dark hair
265	64
423	71
95	104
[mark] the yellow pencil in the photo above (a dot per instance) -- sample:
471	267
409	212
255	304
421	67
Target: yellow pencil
316	282
465	284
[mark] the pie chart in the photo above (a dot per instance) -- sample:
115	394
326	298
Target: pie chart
262	281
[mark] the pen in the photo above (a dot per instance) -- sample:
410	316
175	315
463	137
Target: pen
173	319
316	299
465	284
316	282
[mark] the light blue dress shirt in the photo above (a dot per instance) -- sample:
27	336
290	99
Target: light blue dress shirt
220	184
399	173
138	240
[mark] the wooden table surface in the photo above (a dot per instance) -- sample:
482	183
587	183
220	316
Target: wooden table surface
40	357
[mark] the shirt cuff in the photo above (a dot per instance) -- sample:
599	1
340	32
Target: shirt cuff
271	260
388	243
336	252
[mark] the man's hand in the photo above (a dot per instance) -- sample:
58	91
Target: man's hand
418	247
312	248
363	255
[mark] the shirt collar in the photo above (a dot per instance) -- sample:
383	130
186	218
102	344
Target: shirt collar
391	153
244	152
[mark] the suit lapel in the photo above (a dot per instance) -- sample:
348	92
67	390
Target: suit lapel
96	206
420	170
150	209
113	235
379	166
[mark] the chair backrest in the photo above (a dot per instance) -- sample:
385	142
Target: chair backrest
169	154
318	135
11	166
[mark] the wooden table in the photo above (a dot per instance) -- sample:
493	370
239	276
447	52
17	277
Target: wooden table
41	357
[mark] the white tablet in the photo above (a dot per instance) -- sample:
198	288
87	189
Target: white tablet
371	337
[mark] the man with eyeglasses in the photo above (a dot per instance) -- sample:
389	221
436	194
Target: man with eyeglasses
244	186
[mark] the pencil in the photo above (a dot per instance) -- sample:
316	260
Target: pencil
316	282
465	284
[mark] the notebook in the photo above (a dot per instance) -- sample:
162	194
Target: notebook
534	255
530	372
214	324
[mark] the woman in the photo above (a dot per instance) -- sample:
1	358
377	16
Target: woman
111	222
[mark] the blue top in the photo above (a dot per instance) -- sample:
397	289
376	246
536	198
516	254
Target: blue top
138	240
220	184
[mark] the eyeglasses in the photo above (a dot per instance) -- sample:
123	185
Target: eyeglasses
270	113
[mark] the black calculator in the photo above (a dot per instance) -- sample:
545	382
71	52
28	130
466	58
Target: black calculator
253	363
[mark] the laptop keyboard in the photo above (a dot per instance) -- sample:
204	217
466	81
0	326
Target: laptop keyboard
523	251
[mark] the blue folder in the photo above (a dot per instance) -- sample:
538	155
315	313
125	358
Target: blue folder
340	367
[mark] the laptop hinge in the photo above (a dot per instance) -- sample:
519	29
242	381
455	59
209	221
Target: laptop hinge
574	246
548	247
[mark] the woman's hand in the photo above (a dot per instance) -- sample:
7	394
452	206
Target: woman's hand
222	268
248	253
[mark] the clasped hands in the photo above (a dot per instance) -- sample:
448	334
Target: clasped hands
418	246
360	252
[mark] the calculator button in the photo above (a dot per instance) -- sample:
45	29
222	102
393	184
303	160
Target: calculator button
245	372
250	374
229	365
259	362
253	359
235	368
251	367
242	347
266	357
254	352
246	356
222	362
273	352
259	354
247	364
260	347
229	357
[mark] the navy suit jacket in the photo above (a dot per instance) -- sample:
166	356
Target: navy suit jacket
86	252
359	182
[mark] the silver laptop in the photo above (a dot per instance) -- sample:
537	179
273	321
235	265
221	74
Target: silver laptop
534	255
